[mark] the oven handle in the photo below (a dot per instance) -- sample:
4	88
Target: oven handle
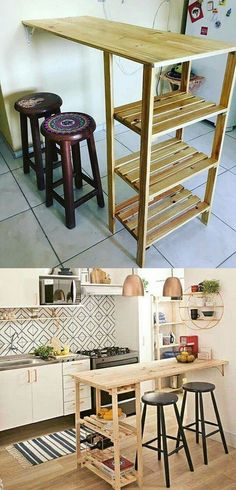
101	365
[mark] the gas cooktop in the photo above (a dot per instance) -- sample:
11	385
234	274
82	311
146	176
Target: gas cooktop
105	352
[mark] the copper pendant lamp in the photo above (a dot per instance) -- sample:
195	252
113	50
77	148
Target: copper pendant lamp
133	285
172	287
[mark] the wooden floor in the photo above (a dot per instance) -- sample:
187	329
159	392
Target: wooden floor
62	474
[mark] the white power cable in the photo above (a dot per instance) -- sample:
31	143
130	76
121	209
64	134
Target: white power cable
118	60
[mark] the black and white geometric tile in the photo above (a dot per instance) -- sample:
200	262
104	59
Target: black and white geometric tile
91	326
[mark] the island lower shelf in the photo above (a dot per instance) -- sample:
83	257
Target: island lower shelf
125	430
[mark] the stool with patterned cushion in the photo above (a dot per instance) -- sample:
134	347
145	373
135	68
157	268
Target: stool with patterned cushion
34	107
67	130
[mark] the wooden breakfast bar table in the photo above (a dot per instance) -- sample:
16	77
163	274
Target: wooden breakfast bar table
115	381
155	172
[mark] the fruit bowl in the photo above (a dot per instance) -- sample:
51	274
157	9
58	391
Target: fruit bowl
185	357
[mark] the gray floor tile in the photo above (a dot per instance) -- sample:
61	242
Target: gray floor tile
120	151
122	190
204	144
200	179
28	185
12	200
230	262
232	133
131	140
3	166
11	161
23	243
91	227
197	245
117	251
98	136
233	170
198	129
224	204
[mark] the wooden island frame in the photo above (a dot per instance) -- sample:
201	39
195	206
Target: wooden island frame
117	380
157	172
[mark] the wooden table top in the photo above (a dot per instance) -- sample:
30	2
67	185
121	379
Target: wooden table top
121	376
144	45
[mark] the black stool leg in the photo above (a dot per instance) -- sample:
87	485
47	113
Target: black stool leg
219	422
25	143
77	165
142	429
68	184
184	440
204	445
159	433
49	172
181	417
37	153
95	170
165	448
197	417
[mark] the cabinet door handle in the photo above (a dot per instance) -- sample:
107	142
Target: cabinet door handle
35	375
28	376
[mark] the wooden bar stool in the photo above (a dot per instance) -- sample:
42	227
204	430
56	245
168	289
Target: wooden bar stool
199	388
67	130
33	107
161	400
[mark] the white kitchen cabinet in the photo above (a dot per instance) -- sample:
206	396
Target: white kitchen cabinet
15	398
30	395
47	392
68	369
20	287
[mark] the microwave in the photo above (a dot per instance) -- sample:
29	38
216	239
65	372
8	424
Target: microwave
59	290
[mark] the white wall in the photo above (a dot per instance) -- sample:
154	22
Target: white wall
73	71
222	340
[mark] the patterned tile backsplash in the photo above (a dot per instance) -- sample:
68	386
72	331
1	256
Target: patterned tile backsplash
88	327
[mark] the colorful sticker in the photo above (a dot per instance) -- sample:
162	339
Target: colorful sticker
223	2
195	11
210	6
204	31
228	13
218	24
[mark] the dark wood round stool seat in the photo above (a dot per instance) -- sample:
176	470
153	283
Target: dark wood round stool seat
199	387
156	399
66	131
38	104
69	126
32	107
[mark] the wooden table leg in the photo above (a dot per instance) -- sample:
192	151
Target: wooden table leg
184	87
116	439
139	435
77	424
98	400
109	98
225	100
145	158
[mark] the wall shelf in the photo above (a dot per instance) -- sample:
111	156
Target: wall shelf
204	322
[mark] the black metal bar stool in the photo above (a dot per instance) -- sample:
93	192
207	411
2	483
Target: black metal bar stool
34	107
199	388
67	130
161	400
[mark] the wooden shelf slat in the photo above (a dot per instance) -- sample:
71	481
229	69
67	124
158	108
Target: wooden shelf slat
171	112
172	162
165	214
93	460
93	423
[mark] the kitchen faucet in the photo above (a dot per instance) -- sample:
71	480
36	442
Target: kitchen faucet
12	348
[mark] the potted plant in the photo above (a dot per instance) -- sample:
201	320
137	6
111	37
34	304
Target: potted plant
210	288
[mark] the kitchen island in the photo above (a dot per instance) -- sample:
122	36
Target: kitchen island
115	381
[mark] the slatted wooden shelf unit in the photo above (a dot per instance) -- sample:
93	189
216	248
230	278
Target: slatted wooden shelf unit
172	111
166	213
93	461
125	430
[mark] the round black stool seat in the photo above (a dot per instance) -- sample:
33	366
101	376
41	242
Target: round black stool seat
199	387
68	126
162	399
39	104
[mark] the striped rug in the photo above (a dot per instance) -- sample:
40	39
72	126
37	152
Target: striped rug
48	447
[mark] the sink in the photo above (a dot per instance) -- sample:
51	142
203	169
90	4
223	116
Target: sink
19	362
